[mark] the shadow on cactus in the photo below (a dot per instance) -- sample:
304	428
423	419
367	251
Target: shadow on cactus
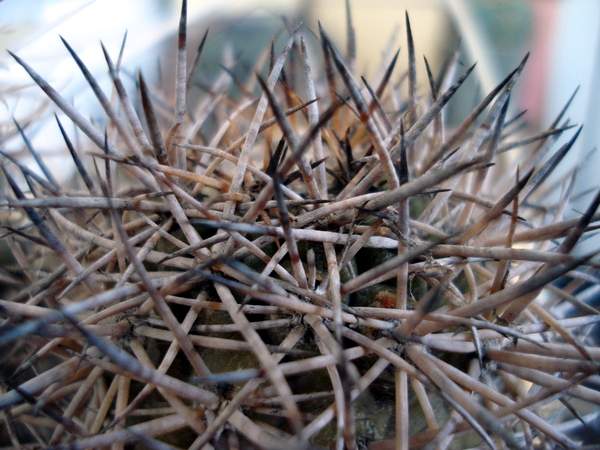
317	261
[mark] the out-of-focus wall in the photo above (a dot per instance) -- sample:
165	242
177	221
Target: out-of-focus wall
576	62
379	23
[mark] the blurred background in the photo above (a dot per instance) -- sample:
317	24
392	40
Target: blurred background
562	35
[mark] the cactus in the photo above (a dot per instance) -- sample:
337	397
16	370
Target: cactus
318	261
